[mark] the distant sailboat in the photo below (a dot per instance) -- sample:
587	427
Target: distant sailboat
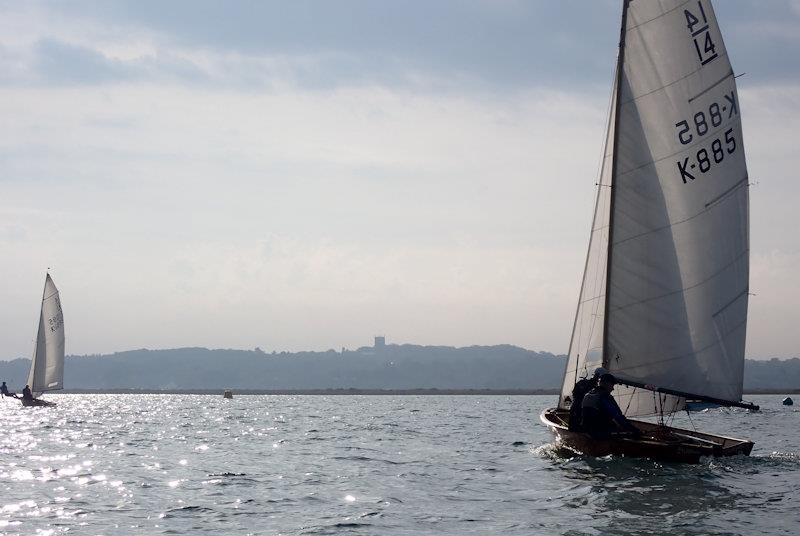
47	365
663	302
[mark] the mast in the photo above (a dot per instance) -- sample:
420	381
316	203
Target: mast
32	372
614	160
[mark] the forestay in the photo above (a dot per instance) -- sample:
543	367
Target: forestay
47	367
586	344
678	257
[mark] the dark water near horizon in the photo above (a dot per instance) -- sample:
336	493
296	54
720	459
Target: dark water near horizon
383	465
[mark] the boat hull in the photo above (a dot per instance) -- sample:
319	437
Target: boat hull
29	402
657	442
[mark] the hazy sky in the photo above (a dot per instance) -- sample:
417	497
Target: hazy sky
305	175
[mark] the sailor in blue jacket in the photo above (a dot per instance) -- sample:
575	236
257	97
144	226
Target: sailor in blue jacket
601	416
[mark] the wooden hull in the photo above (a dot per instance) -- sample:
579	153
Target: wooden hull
27	402
657	442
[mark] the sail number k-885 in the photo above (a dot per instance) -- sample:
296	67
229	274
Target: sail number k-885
706	157
702	122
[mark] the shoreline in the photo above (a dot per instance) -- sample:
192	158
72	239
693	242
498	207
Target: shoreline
333	392
344	392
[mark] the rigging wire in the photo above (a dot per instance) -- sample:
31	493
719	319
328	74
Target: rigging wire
672	414
689	414
578	328
630	401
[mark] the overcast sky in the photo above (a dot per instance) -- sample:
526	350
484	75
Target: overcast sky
305	175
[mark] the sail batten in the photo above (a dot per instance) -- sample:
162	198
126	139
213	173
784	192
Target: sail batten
673	193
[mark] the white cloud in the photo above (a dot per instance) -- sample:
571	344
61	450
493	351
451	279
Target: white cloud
773	306
264	212
420	216
770	116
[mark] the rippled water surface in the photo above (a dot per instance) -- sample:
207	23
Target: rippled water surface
157	464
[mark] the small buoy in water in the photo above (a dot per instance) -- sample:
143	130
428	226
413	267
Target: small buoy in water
788	401
227	394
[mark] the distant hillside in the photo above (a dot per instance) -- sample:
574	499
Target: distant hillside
391	367
772	374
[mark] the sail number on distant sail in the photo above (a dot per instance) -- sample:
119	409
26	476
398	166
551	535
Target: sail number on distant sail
57	320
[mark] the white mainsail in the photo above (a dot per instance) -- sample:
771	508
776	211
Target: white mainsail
47	366
677	214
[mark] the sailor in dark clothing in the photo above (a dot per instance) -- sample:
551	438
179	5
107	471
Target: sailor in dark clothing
4	391
602	417
583	386
26	393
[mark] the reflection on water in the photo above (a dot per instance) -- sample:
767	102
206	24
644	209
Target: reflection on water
717	496
127	464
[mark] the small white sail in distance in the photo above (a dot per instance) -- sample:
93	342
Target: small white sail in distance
47	366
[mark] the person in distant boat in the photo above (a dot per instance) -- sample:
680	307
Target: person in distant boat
601	417
583	386
26	393
4	391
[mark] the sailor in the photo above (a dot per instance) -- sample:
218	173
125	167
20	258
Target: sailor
26	393
601	416
583	386
4	391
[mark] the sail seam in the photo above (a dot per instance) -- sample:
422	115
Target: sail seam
681	79
664	14
684	289
706	209
587	300
682	356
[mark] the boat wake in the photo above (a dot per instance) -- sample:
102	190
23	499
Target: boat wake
555	452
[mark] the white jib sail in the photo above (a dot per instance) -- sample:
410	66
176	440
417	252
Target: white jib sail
47	367
677	309
586	344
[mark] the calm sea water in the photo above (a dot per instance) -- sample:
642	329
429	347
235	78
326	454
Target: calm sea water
155	464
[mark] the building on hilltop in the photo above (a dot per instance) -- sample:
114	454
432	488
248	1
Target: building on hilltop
380	342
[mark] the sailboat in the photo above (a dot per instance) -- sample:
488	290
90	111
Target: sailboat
664	295
47	365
